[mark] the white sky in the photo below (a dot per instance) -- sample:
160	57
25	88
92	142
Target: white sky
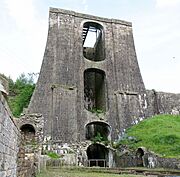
156	27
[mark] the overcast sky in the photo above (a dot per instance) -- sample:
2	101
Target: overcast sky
156	29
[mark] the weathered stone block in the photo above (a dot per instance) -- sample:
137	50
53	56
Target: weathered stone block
3	173
8	141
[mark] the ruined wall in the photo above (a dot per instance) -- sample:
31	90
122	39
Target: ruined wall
13	159
163	103
59	93
25	164
9	140
147	159
31	128
36	121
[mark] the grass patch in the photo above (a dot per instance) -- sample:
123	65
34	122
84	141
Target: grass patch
160	134
79	173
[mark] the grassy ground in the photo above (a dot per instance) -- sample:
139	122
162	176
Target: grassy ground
160	134
79	173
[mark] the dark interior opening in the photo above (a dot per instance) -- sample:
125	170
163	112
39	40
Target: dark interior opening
139	157
97	155
97	129
93	41
94	90
28	132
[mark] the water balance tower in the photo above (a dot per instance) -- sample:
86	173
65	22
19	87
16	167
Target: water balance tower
85	88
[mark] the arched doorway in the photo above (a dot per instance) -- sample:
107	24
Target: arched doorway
139	157
97	155
28	133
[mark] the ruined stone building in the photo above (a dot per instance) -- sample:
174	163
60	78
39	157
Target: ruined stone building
82	90
89	89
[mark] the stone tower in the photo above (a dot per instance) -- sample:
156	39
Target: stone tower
85	88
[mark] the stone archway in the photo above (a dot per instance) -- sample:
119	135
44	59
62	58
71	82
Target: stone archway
139	157
28	133
96	128
97	155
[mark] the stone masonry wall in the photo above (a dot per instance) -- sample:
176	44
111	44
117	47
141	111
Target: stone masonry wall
148	160
28	158
9	139
163	103
25	164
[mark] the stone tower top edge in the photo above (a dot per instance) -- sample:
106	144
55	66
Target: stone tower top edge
87	16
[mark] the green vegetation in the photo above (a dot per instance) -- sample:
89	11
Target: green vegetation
97	138
75	172
97	111
101	139
160	134
53	155
20	93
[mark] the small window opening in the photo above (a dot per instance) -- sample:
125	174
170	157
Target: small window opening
94	90
98	130
97	155
93	41
28	133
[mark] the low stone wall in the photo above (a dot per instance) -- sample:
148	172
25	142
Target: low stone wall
9	140
146	159
168	163
152	160
71	154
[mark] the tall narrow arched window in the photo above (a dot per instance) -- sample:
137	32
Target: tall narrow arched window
93	41
95	89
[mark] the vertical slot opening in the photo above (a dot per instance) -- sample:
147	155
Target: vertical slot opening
95	90
93	41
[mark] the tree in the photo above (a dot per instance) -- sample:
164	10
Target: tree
20	93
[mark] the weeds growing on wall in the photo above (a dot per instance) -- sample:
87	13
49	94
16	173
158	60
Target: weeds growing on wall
98	112
53	155
101	139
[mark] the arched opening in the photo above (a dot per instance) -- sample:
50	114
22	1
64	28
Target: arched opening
93	41
95	90
98	130
97	155
139	157
28	133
